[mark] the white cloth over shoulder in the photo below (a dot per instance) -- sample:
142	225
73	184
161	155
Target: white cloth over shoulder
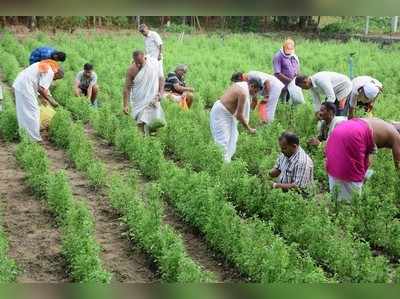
144	92
333	85
26	86
224	125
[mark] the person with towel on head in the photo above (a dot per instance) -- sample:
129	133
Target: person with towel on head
286	66
33	81
365	92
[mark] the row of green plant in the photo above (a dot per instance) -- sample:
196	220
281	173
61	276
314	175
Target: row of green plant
305	222
73	217
249	244
207	157
144	219
8	267
251	155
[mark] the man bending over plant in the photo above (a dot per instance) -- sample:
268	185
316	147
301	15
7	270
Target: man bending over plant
349	148
35	79
334	86
144	88
294	168
232	107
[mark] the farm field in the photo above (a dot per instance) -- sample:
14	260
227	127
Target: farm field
99	202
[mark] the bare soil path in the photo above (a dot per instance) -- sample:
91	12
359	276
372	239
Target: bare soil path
121	257
193	241
34	239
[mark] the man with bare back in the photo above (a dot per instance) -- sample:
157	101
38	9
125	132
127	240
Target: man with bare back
231	108
144	86
348	150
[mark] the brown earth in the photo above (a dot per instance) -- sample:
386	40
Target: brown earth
194	243
34	240
121	257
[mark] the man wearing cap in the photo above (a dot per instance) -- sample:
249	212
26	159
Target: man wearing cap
176	88
286	66
153	44
365	91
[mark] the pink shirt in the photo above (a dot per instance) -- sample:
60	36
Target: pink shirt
348	149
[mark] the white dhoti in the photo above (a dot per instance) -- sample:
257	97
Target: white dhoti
143	96
345	190
28	114
224	129
273	100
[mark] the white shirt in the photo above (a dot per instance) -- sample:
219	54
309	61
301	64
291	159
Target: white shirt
152	43
332	85
359	82
262	77
325	131
29	80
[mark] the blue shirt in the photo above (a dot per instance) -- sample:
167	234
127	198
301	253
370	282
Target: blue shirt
40	54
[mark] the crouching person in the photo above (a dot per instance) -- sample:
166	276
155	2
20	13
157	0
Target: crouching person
176	88
86	84
294	168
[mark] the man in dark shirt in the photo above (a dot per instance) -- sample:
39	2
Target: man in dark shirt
176	88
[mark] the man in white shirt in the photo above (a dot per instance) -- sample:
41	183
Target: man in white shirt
336	88
35	79
153	44
365	91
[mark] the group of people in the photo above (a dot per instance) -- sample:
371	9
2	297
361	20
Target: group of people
349	141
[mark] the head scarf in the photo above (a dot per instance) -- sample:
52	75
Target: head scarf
288	47
45	65
370	90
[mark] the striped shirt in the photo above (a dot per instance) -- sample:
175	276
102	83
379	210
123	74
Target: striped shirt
298	169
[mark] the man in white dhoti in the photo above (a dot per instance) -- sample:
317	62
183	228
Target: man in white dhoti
271	89
35	79
336	88
144	86
232	107
153	44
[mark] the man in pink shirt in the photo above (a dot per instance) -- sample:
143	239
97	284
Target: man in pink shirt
348	150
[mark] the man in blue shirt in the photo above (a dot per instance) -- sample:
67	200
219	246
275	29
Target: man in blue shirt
43	53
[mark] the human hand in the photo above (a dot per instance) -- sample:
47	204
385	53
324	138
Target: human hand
252	130
314	142
126	110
